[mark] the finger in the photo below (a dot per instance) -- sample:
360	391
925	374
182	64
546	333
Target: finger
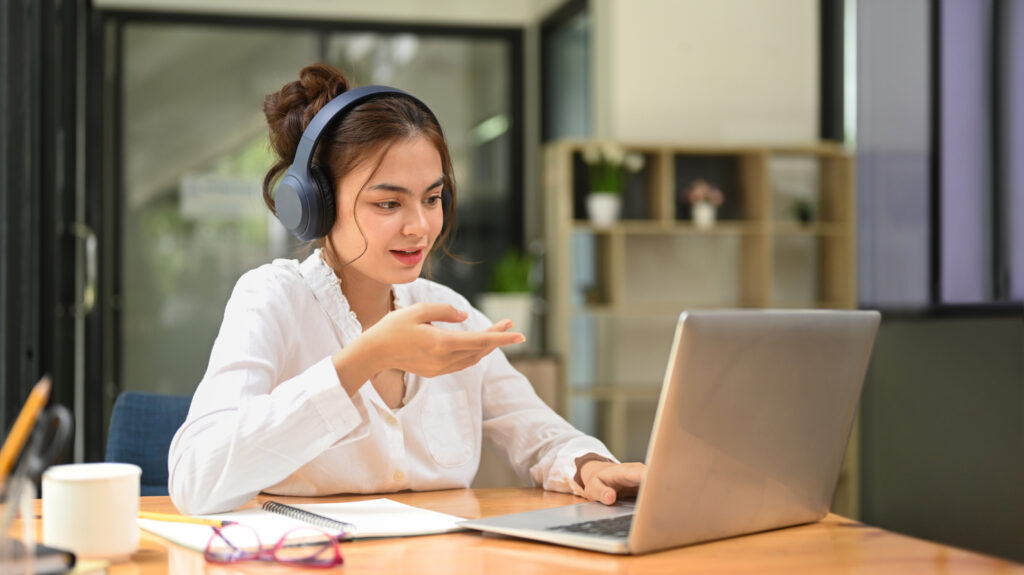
596	490
464	359
624	478
624	475
442	312
503	325
484	340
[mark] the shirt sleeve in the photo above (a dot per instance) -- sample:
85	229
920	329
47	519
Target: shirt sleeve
245	431
537	441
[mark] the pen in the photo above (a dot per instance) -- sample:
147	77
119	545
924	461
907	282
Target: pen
184	519
23	426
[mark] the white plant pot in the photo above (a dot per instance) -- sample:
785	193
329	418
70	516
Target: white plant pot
704	214
603	208
517	307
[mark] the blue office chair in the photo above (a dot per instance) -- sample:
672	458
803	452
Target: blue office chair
141	428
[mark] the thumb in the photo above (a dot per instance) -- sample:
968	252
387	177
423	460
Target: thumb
597	490
431	312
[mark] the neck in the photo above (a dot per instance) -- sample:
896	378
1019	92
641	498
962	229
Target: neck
370	300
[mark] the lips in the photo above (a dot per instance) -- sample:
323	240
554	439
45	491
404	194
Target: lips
409	257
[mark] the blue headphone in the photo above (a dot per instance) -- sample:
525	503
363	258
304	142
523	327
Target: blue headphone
304	200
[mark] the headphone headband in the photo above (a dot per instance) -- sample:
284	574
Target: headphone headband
317	126
304	200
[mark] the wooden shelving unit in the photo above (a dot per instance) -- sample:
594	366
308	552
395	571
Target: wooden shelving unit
614	293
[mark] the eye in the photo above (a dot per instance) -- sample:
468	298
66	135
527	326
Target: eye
433	200
387	205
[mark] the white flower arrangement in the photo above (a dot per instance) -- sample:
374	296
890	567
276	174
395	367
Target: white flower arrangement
608	164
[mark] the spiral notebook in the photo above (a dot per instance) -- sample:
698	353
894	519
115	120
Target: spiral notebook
372	518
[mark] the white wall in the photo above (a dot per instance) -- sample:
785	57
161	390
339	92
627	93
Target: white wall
706	71
456	12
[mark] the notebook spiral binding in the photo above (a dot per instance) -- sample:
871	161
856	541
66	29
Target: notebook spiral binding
309	517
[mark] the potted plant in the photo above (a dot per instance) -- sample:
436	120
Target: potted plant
608	165
510	295
704	198
803	210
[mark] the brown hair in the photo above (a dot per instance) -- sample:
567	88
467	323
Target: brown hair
366	131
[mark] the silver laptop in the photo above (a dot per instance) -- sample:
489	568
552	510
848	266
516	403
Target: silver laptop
752	424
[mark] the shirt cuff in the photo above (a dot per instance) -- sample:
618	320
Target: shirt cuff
330	399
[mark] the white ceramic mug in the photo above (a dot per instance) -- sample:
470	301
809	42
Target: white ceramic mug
92	509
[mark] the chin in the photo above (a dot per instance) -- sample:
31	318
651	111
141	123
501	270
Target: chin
408	276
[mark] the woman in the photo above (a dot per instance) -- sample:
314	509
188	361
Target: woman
347	372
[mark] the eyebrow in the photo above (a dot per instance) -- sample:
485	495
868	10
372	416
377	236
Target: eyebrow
403	190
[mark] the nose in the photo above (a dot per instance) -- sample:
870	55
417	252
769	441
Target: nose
416	223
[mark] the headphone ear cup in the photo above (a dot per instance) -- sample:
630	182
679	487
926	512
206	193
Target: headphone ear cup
323	192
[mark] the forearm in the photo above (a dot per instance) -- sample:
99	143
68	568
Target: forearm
223	456
357	363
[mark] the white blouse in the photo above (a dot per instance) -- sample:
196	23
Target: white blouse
270	414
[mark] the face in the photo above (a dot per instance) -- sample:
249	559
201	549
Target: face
389	217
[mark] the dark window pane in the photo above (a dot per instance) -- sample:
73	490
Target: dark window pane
893	147
1013	142
966	151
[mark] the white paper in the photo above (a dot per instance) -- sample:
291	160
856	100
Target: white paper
372	518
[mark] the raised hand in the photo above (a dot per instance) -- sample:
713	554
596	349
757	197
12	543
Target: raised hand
407	340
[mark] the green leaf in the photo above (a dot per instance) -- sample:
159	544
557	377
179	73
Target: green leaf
512	272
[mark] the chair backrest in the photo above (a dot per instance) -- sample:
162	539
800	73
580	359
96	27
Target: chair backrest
141	428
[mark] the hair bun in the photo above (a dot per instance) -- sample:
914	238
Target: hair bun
290	109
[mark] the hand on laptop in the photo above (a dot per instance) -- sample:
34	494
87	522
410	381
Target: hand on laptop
605	481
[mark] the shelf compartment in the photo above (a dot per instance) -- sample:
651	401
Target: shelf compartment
703	270
813	271
612	349
595	273
642	190
795	270
740	176
822	181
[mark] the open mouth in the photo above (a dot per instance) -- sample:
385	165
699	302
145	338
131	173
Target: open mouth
408	257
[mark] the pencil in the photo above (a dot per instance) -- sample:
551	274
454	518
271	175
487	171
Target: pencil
184	519
23	426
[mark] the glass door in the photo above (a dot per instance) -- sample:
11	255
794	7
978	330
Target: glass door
189	150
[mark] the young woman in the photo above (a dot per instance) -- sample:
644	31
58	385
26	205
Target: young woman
347	372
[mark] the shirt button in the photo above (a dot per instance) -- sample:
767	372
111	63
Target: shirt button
392	420
399	476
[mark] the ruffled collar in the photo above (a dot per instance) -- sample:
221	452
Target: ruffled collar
326	287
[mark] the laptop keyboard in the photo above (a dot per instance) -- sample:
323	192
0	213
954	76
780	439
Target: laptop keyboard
611	527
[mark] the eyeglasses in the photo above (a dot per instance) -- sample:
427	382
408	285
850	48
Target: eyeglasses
305	546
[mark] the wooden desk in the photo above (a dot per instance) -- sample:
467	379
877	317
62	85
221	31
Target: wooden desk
834	545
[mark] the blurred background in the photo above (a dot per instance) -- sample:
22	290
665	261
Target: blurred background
133	144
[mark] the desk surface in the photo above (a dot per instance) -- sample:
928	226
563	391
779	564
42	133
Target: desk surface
834	545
